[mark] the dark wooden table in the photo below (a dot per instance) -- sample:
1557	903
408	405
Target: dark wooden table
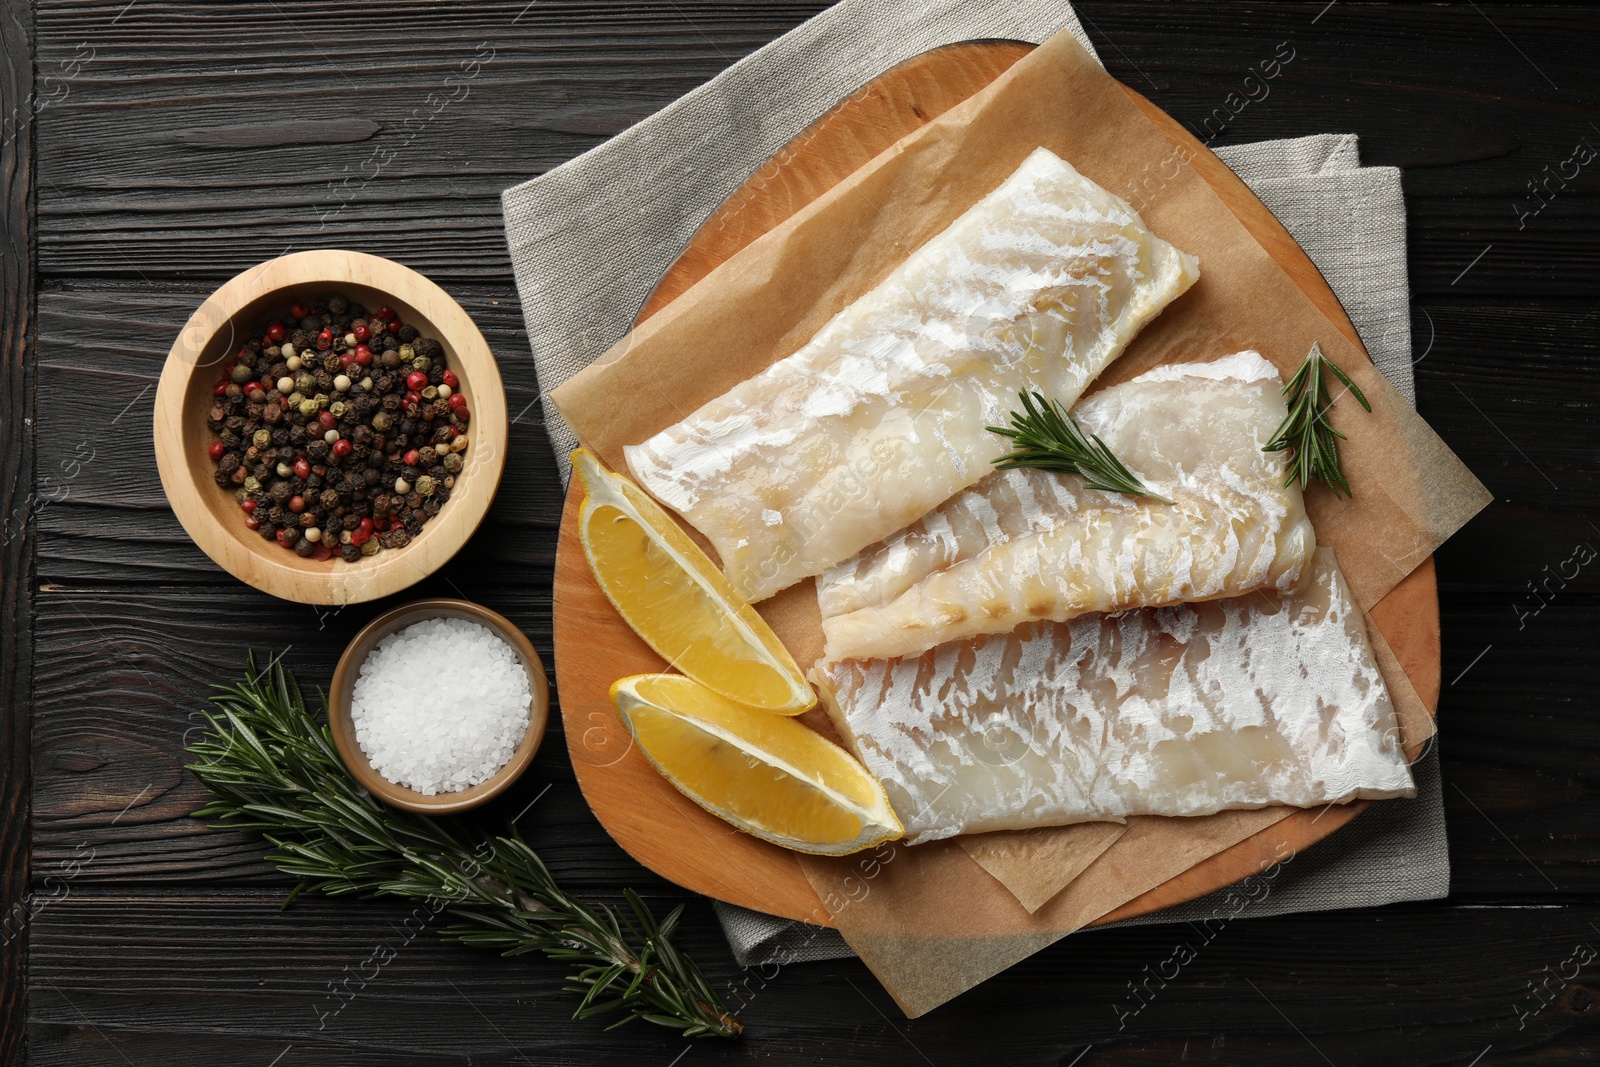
153	149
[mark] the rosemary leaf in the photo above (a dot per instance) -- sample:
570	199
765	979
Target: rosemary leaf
1046	437
276	773
1307	431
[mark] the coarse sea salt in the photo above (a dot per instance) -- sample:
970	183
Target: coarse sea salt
441	705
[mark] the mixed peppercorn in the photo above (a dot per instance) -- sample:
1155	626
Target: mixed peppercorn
341	432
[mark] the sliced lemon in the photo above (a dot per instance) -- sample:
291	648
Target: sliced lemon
766	774
675	598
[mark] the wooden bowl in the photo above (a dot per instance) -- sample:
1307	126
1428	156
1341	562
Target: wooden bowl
236	312
349	669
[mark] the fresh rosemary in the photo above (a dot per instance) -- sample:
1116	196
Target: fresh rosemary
1307	432
276	773
1047	437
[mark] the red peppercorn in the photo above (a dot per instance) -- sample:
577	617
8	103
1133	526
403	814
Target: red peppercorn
457	402
346	358
359	538
249	506
413	399
217	449
412	458
302	469
323	553
298	311
342	447
297	503
276	333
449	378
394	325
381	525
365	526
288	536
384	313
220	389
364	355
416	381
326	420
252	522
361	331
455	432
325	339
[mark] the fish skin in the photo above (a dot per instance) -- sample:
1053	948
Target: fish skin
1024	545
881	415
1271	698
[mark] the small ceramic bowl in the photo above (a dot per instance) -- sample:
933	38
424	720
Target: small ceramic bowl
237	312
349	669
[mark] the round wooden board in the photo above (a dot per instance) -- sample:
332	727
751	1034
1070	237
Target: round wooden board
593	646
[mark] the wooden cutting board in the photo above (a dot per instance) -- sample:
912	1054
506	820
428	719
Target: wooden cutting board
655	823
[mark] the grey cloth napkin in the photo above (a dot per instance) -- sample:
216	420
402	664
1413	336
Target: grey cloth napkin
590	239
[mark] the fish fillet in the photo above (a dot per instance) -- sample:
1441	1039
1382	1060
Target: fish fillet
881	415
1242	703
1025	545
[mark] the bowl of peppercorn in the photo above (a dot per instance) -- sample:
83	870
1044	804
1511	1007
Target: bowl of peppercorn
330	427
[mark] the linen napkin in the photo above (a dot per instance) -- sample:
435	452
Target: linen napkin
590	239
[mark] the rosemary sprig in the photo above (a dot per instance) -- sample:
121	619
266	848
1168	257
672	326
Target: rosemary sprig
1047	437
1307	430
276	773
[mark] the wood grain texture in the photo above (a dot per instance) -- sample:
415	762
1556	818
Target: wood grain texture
658	825
19	507
299	983
1454	102
168	167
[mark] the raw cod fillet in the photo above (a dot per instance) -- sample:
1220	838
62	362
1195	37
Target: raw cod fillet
1264	699
1026	545
881	416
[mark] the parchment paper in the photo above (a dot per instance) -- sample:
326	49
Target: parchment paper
933	922
1037	864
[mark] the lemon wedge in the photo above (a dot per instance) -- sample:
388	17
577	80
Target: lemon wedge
766	774
674	597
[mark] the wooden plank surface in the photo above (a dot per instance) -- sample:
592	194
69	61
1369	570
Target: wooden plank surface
202	138
18	508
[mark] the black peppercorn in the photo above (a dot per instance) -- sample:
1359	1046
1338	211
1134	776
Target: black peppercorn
267	443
